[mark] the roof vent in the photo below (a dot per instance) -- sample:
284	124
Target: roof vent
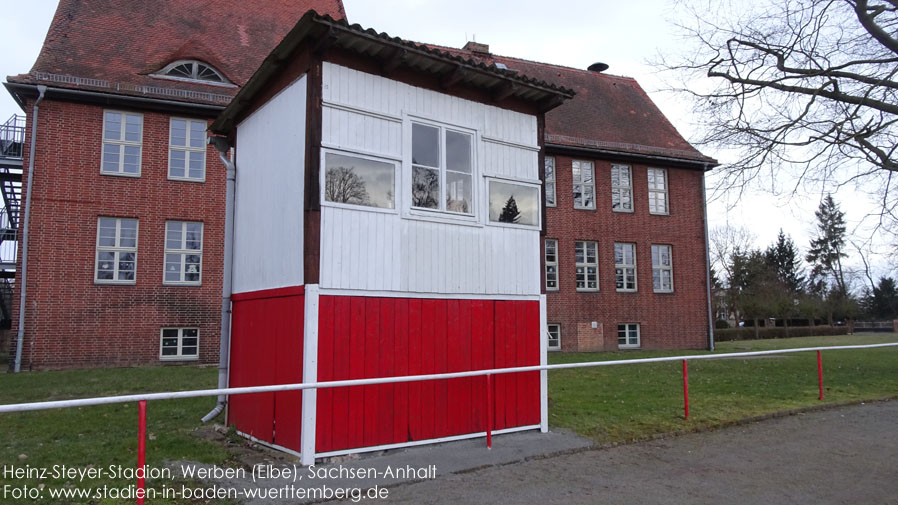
477	47
598	67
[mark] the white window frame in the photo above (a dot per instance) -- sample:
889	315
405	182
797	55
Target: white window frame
514	182
182	253
626	267
180	355
653	173
620	189
550	181
122	143
660	267
322	179
477	184
187	150
549	339
627	328
586	264
578	164
163	74
117	250
551	263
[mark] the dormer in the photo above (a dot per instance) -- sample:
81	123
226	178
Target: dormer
193	71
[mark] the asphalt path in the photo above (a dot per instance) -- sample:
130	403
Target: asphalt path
846	455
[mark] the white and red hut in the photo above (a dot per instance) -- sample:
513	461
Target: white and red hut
387	223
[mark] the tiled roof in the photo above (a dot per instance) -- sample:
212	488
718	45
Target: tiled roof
608	112
113	45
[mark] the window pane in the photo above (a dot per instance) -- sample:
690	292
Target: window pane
113	126
111	154
131	163
550	168
178	132
459	193
360	181
425	188
458	152
425	145
197	134
514	203
132	127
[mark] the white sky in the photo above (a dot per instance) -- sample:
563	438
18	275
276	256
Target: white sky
576	33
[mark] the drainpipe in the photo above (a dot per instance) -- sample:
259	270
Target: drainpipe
708	265
20	336
222	146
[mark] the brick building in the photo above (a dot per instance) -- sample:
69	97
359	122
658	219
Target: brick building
127	202
99	287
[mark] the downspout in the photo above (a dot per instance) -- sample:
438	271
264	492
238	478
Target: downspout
708	265
20	336
222	146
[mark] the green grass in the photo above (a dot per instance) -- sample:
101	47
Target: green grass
104	435
619	403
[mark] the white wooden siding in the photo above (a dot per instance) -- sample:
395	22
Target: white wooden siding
268	224
390	252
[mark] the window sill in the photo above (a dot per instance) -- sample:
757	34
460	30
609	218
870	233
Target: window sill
441	217
623	211
554	349
360	208
114	283
179	358
584	208
629	347
659	213
627	291
671	292
117	174
186	179
581	290
514	226
182	284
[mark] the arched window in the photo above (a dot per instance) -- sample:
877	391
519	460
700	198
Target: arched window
192	70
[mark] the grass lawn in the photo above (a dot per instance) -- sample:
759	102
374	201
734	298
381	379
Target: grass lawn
103	435
619	403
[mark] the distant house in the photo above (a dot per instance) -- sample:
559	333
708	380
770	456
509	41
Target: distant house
388	223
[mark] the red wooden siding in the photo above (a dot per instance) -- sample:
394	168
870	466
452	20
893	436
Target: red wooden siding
364	337
266	348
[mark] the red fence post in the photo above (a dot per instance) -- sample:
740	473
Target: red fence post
820	373
685	389
141	449
489	412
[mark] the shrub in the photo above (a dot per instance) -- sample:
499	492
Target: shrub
725	335
721	324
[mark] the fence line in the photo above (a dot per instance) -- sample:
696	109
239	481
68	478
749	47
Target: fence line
84	402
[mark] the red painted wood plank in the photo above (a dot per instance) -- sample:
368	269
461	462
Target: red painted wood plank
510	347
252	365
466	324
524	333
489	350
441	364
455	395
325	409
287	319
478	384
372	365
401	415
386	404
340	438
500	335
534	333
428	388
356	371
415	362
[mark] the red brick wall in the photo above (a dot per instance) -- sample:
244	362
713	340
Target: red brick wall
72	322
667	321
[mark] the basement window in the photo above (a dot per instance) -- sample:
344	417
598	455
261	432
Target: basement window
179	344
554	337
628	335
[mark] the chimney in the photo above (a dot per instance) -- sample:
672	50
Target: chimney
477	48
598	67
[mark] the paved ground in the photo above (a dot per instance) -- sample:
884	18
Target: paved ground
841	456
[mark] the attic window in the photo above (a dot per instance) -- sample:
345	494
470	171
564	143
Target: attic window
192	70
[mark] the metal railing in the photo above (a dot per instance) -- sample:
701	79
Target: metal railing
12	137
145	397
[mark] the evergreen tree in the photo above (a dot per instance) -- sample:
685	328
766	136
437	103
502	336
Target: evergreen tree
510	213
884	299
783	258
826	250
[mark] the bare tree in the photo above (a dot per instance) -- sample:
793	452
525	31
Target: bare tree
343	185
807	86
726	241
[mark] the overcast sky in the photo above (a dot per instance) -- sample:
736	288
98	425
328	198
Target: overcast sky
576	33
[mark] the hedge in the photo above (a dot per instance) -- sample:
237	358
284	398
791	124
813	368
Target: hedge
778	332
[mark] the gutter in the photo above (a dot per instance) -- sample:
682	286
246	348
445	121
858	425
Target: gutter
594	152
224	353
20	335
101	98
708	266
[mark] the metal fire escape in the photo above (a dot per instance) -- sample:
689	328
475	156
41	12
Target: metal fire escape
12	141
